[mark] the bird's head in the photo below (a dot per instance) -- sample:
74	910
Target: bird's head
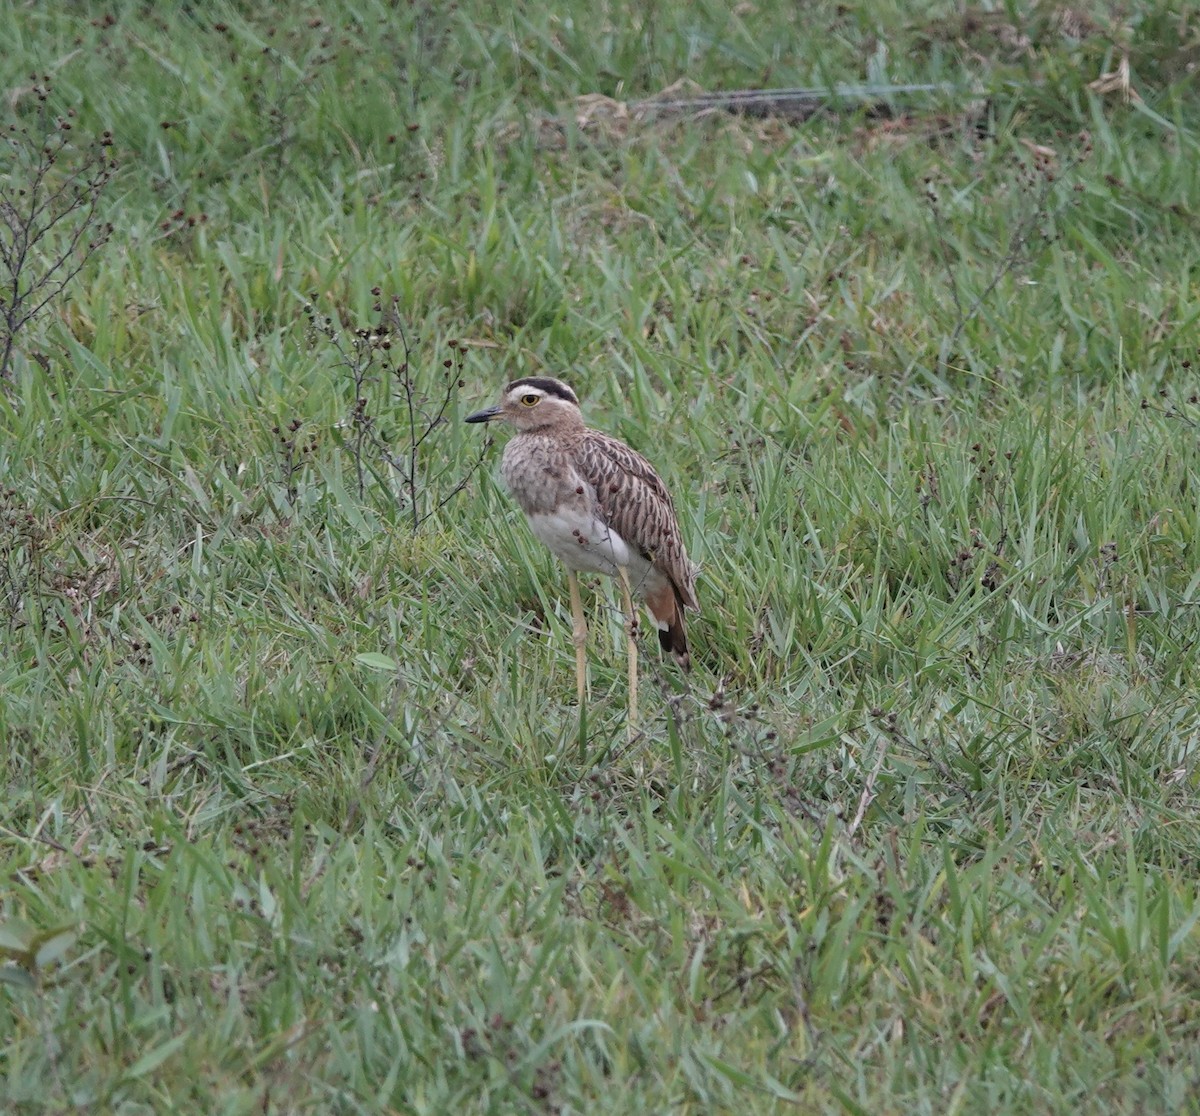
534	403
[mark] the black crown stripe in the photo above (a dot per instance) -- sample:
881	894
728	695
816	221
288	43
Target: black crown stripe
547	384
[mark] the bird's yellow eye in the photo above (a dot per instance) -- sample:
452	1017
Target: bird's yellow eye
530	400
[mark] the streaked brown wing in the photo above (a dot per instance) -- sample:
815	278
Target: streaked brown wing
636	504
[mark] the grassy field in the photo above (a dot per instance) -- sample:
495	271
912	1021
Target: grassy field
299	812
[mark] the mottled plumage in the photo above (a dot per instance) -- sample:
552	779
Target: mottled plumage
596	503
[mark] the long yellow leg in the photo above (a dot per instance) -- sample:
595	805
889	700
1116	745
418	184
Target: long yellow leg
631	634
578	636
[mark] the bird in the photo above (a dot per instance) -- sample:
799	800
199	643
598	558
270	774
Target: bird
600	508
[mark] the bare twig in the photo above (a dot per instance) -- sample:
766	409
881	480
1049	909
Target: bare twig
404	375
49	221
1019	242
795	105
931	195
868	791
370	355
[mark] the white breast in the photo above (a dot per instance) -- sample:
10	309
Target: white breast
582	541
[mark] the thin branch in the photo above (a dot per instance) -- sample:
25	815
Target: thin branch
791	104
367	358
55	218
868	792
1018	247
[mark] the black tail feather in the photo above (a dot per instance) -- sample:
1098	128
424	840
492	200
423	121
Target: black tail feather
673	639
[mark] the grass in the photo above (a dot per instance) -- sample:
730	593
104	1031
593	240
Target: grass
300	814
